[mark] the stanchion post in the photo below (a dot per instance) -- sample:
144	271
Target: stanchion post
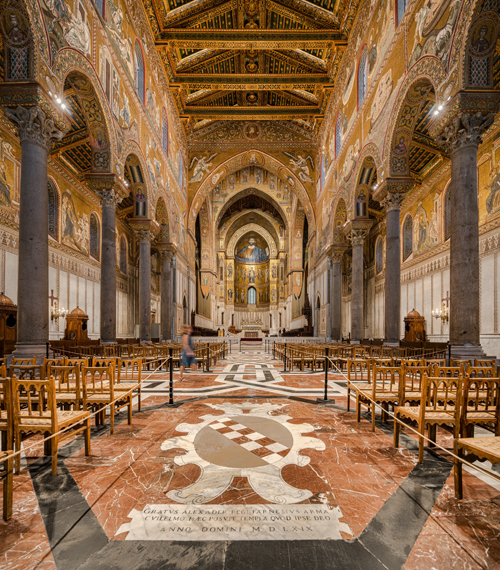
171	375
240	344
449	354
284	360
274	351
325	400
47	348
208	358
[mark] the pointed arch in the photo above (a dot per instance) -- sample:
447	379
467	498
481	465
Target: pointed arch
95	237
338	134
123	255
139	71
53	209
447	213
362	75
407	237
164	131
401	6
379	255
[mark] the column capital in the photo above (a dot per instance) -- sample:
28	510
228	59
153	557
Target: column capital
392	201
145	229
34	125
109	198
336	253
357	230
108	187
464	129
167	250
393	185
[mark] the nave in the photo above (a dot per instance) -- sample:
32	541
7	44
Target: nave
249	469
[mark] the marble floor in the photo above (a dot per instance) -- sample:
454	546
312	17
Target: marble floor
249	469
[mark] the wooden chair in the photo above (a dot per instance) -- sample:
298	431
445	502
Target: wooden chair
6	475
23	361
384	390
358	370
486	363
481	372
480	405
6	420
61	361
410	387
441	371
39	414
128	377
27	370
68	389
98	392
435	361
472	448
440	405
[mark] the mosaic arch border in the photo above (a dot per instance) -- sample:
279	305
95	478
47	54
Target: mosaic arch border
239	215
247	192
68	60
369	150
41	49
133	147
242	160
428	67
273	253
167	216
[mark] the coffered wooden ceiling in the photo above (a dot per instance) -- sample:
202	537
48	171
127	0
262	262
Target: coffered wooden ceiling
251	59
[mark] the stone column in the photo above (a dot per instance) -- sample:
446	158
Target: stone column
166	295
336	295
392	302
37	133
145	238
173	319
460	140
109	201
356	232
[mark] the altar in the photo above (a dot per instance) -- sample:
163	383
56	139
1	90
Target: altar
251	328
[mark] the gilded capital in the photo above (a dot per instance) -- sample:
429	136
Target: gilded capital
33	125
392	201
357	236
465	129
109	198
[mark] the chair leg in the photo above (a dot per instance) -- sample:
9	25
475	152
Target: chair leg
421	444
8	485
358	408
130	410
112	412
397	429
457	473
348	399
54	442
432	430
87	437
139	399
18	448
373	416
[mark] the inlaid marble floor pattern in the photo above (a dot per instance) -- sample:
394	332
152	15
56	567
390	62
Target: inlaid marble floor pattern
248	471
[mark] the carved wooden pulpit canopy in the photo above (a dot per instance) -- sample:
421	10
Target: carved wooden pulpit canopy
76	326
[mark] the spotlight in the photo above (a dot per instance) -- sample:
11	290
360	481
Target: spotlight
58	100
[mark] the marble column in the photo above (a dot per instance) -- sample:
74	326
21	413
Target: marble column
336	296
145	238
166	295
460	140
109	201
37	133
356	231
392	303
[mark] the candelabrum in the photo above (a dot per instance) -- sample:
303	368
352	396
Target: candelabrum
441	313
58	312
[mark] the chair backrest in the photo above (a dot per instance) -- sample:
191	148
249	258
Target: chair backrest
108	351
67	379
459	362
485	363
413	378
435	361
447	370
23	361
381	362
359	352
442	392
3	371
98	380
6	424
481	372
386	379
481	394
100	362
33	399
81	362
26	370
358	370
413	362
129	369
60	361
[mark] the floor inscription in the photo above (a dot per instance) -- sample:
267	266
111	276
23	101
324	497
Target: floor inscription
235	522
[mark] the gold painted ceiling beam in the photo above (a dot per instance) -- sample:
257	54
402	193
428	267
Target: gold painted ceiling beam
251	113
292	15
254	82
250	39
198	59
312	11
181	13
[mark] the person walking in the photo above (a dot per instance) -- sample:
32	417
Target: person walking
188	358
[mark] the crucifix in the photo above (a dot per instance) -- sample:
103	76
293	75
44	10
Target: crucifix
447	298
52	298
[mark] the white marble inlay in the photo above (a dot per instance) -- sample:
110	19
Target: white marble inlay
235	522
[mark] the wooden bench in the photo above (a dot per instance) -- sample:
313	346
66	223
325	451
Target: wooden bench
473	448
6	475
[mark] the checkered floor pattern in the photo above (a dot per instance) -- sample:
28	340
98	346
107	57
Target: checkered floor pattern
264	447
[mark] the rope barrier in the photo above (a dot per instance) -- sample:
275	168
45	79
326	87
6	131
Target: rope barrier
477	467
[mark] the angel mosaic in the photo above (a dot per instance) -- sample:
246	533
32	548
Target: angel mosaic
75	227
299	163
201	165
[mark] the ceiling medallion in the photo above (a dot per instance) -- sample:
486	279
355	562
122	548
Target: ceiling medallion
252	98
251	7
252	131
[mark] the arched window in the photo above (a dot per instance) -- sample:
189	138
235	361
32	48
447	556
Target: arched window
401	9
139	72
252	296
164	131
323	171
181	170
379	256
94	236
447	214
123	255
101	6
407	237
338	134
53	210
362	76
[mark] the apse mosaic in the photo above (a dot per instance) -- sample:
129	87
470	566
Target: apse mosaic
251	249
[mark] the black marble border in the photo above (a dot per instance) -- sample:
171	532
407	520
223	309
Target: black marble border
78	541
